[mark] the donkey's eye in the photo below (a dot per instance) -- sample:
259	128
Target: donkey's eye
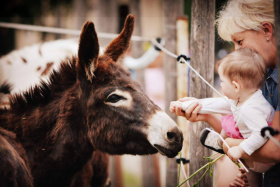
114	98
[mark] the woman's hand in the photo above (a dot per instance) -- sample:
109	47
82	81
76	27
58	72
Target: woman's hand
191	113
241	180
176	107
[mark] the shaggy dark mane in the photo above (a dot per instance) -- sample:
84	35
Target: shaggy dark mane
5	88
43	93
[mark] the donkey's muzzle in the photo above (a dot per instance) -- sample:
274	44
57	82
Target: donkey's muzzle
164	134
170	153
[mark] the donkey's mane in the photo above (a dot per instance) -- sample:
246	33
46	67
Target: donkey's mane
44	92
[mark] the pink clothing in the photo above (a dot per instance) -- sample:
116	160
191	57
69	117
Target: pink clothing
228	125
232	131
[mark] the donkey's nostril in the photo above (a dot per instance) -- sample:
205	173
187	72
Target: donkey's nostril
174	135
171	135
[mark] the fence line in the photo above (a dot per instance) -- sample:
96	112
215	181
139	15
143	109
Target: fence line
62	31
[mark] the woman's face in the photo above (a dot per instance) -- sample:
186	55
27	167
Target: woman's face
257	40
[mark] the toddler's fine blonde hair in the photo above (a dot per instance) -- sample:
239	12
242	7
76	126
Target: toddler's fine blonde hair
240	15
246	65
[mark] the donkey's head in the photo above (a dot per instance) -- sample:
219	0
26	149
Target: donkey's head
120	117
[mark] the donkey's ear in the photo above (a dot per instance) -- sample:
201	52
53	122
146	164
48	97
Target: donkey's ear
120	44
88	51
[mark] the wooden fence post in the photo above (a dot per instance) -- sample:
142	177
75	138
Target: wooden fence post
182	41
202	59
172	10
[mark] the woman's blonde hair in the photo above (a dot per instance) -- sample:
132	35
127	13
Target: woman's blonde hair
246	65
240	15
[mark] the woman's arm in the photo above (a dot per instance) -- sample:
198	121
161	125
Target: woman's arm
214	121
191	114
270	152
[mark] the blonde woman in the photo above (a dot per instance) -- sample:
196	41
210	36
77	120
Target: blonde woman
250	24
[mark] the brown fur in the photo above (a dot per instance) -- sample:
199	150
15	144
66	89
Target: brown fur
51	131
13	160
95	172
24	60
47	68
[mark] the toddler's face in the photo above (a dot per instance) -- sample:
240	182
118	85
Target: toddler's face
228	88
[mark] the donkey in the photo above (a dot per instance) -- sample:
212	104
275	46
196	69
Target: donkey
91	103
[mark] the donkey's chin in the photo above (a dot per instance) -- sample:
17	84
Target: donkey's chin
167	152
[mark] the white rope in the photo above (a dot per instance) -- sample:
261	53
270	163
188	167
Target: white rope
227	146
189	65
184	61
267	134
102	35
62	31
163	49
184	172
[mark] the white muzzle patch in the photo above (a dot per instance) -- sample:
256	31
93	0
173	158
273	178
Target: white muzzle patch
159	125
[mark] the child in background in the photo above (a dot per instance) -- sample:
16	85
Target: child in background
242	74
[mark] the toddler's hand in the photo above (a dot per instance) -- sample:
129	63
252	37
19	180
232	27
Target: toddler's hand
235	153
174	106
